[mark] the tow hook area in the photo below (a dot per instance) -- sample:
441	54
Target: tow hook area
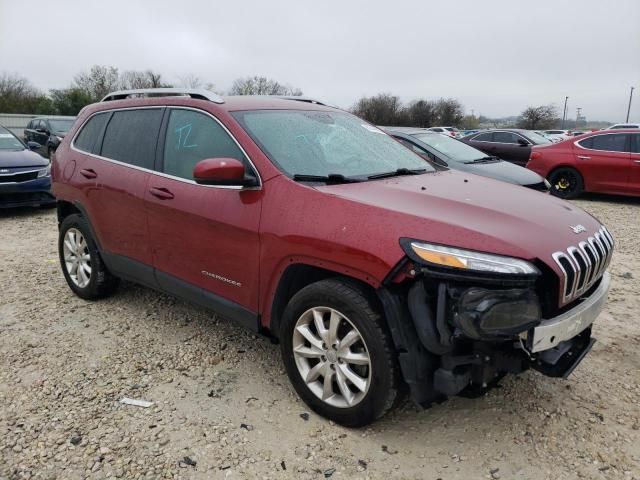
563	359
479	369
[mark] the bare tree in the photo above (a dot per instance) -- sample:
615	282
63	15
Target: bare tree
98	82
422	113
449	112
257	85
533	118
133	79
18	95
382	109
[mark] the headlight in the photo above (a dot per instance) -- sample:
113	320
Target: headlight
467	259
59	138
45	172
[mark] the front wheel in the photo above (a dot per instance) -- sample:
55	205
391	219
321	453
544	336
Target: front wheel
338	354
566	182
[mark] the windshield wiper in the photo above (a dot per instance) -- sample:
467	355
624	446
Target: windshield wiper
398	172
484	160
331	178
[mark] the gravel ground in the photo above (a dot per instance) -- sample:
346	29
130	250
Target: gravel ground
223	406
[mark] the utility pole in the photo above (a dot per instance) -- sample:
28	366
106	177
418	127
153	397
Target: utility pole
629	107
564	112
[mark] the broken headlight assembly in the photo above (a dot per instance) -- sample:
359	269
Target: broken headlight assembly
503	304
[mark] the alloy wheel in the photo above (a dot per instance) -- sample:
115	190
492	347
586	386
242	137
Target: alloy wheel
77	259
332	357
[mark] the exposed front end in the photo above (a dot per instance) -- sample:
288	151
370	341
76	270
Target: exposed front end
25	187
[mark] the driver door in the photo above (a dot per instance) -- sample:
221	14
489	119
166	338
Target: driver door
204	239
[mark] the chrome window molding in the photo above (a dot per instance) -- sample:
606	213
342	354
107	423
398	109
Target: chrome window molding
577	142
503	143
585	269
162	174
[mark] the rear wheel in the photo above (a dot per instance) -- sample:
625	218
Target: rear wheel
80	260
566	182
338	354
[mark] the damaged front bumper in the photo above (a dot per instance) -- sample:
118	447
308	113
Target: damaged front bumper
465	339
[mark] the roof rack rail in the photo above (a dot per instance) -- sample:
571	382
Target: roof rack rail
198	93
307	99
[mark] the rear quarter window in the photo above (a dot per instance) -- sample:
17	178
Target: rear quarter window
131	136
90	132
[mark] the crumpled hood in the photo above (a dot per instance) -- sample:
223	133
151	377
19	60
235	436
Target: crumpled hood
468	211
21	158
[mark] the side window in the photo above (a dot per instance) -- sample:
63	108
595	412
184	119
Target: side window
483	137
86	139
505	137
131	136
635	143
191	137
610	143
586	143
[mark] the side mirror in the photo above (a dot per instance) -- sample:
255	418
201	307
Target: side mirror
522	142
220	171
33	145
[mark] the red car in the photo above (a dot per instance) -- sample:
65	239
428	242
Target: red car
377	274
605	161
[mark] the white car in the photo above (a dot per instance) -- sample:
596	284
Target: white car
623	125
557	135
450	131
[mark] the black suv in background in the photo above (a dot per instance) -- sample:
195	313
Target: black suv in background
48	132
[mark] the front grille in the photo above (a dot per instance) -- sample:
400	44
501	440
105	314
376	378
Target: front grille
19	177
584	264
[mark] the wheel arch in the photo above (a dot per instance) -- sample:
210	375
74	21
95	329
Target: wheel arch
66	208
299	273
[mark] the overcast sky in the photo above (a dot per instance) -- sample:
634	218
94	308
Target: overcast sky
495	56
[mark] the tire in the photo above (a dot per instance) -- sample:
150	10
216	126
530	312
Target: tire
364	375
90	279
566	182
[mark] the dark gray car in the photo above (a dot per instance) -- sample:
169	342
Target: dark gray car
444	151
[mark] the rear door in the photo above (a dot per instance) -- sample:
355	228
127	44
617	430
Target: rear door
634	177
511	147
115	185
204	239
605	162
481	141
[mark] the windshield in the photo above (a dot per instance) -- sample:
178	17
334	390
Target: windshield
536	138
323	143
450	148
9	142
61	126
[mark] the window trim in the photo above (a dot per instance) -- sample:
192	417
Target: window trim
627	143
156	172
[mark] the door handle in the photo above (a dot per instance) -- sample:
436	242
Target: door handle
88	173
582	157
161	193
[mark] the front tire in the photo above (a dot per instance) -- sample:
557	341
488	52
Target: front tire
566	182
82	266
338	354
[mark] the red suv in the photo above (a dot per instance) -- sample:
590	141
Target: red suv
377	274
606	161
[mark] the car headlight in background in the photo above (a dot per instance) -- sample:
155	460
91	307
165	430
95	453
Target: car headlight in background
59	138
457	258
45	172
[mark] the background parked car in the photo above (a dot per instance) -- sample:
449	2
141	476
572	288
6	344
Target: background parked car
47	132
513	145
559	134
451	131
604	161
623	125
25	177
443	151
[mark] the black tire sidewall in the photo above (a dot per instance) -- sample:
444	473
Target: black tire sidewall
92	290
383	384
566	194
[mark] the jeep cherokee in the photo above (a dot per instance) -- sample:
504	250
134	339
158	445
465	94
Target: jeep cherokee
376	274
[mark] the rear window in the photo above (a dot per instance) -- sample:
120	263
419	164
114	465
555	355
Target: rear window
131	136
86	139
608	142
